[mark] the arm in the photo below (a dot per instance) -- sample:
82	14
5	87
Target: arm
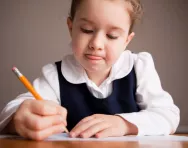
158	115
47	86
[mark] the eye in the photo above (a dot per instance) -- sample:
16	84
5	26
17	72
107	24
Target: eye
111	37
86	30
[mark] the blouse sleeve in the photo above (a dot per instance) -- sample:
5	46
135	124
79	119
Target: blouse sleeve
159	115
47	86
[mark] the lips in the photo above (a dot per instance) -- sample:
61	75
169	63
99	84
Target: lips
93	57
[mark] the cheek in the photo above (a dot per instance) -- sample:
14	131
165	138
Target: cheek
79	43
77	51
111	57
114	53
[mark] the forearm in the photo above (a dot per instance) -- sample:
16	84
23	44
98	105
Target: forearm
154	122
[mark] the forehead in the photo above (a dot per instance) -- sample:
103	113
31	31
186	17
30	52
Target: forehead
104	12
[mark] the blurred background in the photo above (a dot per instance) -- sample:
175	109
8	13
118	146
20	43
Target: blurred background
34	33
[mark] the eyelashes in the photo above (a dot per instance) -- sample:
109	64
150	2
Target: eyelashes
88	31
111	37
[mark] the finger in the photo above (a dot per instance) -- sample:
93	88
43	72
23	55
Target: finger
88	118
21	130
36	122
84	120
44	108
43	134
48	108
94	129
63	112
83	126
109	132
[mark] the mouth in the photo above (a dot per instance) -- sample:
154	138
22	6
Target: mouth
93	57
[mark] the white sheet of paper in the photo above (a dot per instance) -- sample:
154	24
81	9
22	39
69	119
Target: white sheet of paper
65	137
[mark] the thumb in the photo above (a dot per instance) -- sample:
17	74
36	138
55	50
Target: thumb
63	112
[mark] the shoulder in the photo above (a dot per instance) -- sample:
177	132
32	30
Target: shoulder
143	59
50	76
128	60
47	85
49	70
144	66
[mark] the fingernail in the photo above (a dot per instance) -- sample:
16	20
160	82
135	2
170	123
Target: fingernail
72	135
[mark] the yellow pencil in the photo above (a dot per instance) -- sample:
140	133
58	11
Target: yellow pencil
28	85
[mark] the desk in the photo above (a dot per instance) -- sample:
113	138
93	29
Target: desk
12	143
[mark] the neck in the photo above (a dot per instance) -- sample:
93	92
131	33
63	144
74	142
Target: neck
98	77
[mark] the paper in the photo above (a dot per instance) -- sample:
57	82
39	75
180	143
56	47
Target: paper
65	137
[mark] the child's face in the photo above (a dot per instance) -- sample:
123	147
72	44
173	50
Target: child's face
99	33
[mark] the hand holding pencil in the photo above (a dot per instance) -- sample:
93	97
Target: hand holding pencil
38	120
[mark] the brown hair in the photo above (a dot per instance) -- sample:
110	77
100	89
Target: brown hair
135	12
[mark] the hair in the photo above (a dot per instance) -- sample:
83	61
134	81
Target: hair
135	11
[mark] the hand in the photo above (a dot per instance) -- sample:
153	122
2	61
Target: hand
102	126
38	120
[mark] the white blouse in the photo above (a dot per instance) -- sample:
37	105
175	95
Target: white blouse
158	115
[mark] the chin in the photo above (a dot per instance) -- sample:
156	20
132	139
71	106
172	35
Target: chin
93	69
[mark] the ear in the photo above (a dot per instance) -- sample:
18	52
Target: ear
129	38
69	24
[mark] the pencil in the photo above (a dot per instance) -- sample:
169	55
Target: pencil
28	85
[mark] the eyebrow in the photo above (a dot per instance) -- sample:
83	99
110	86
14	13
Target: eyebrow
86	20
117	28
112	27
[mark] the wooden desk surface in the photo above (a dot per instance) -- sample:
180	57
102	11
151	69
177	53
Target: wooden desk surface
13	143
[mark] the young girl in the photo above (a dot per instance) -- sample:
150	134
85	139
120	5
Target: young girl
102	89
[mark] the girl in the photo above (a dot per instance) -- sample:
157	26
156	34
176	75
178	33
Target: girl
102	89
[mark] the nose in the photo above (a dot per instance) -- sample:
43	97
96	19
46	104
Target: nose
96	42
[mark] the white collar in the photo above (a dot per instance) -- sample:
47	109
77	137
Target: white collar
75	73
